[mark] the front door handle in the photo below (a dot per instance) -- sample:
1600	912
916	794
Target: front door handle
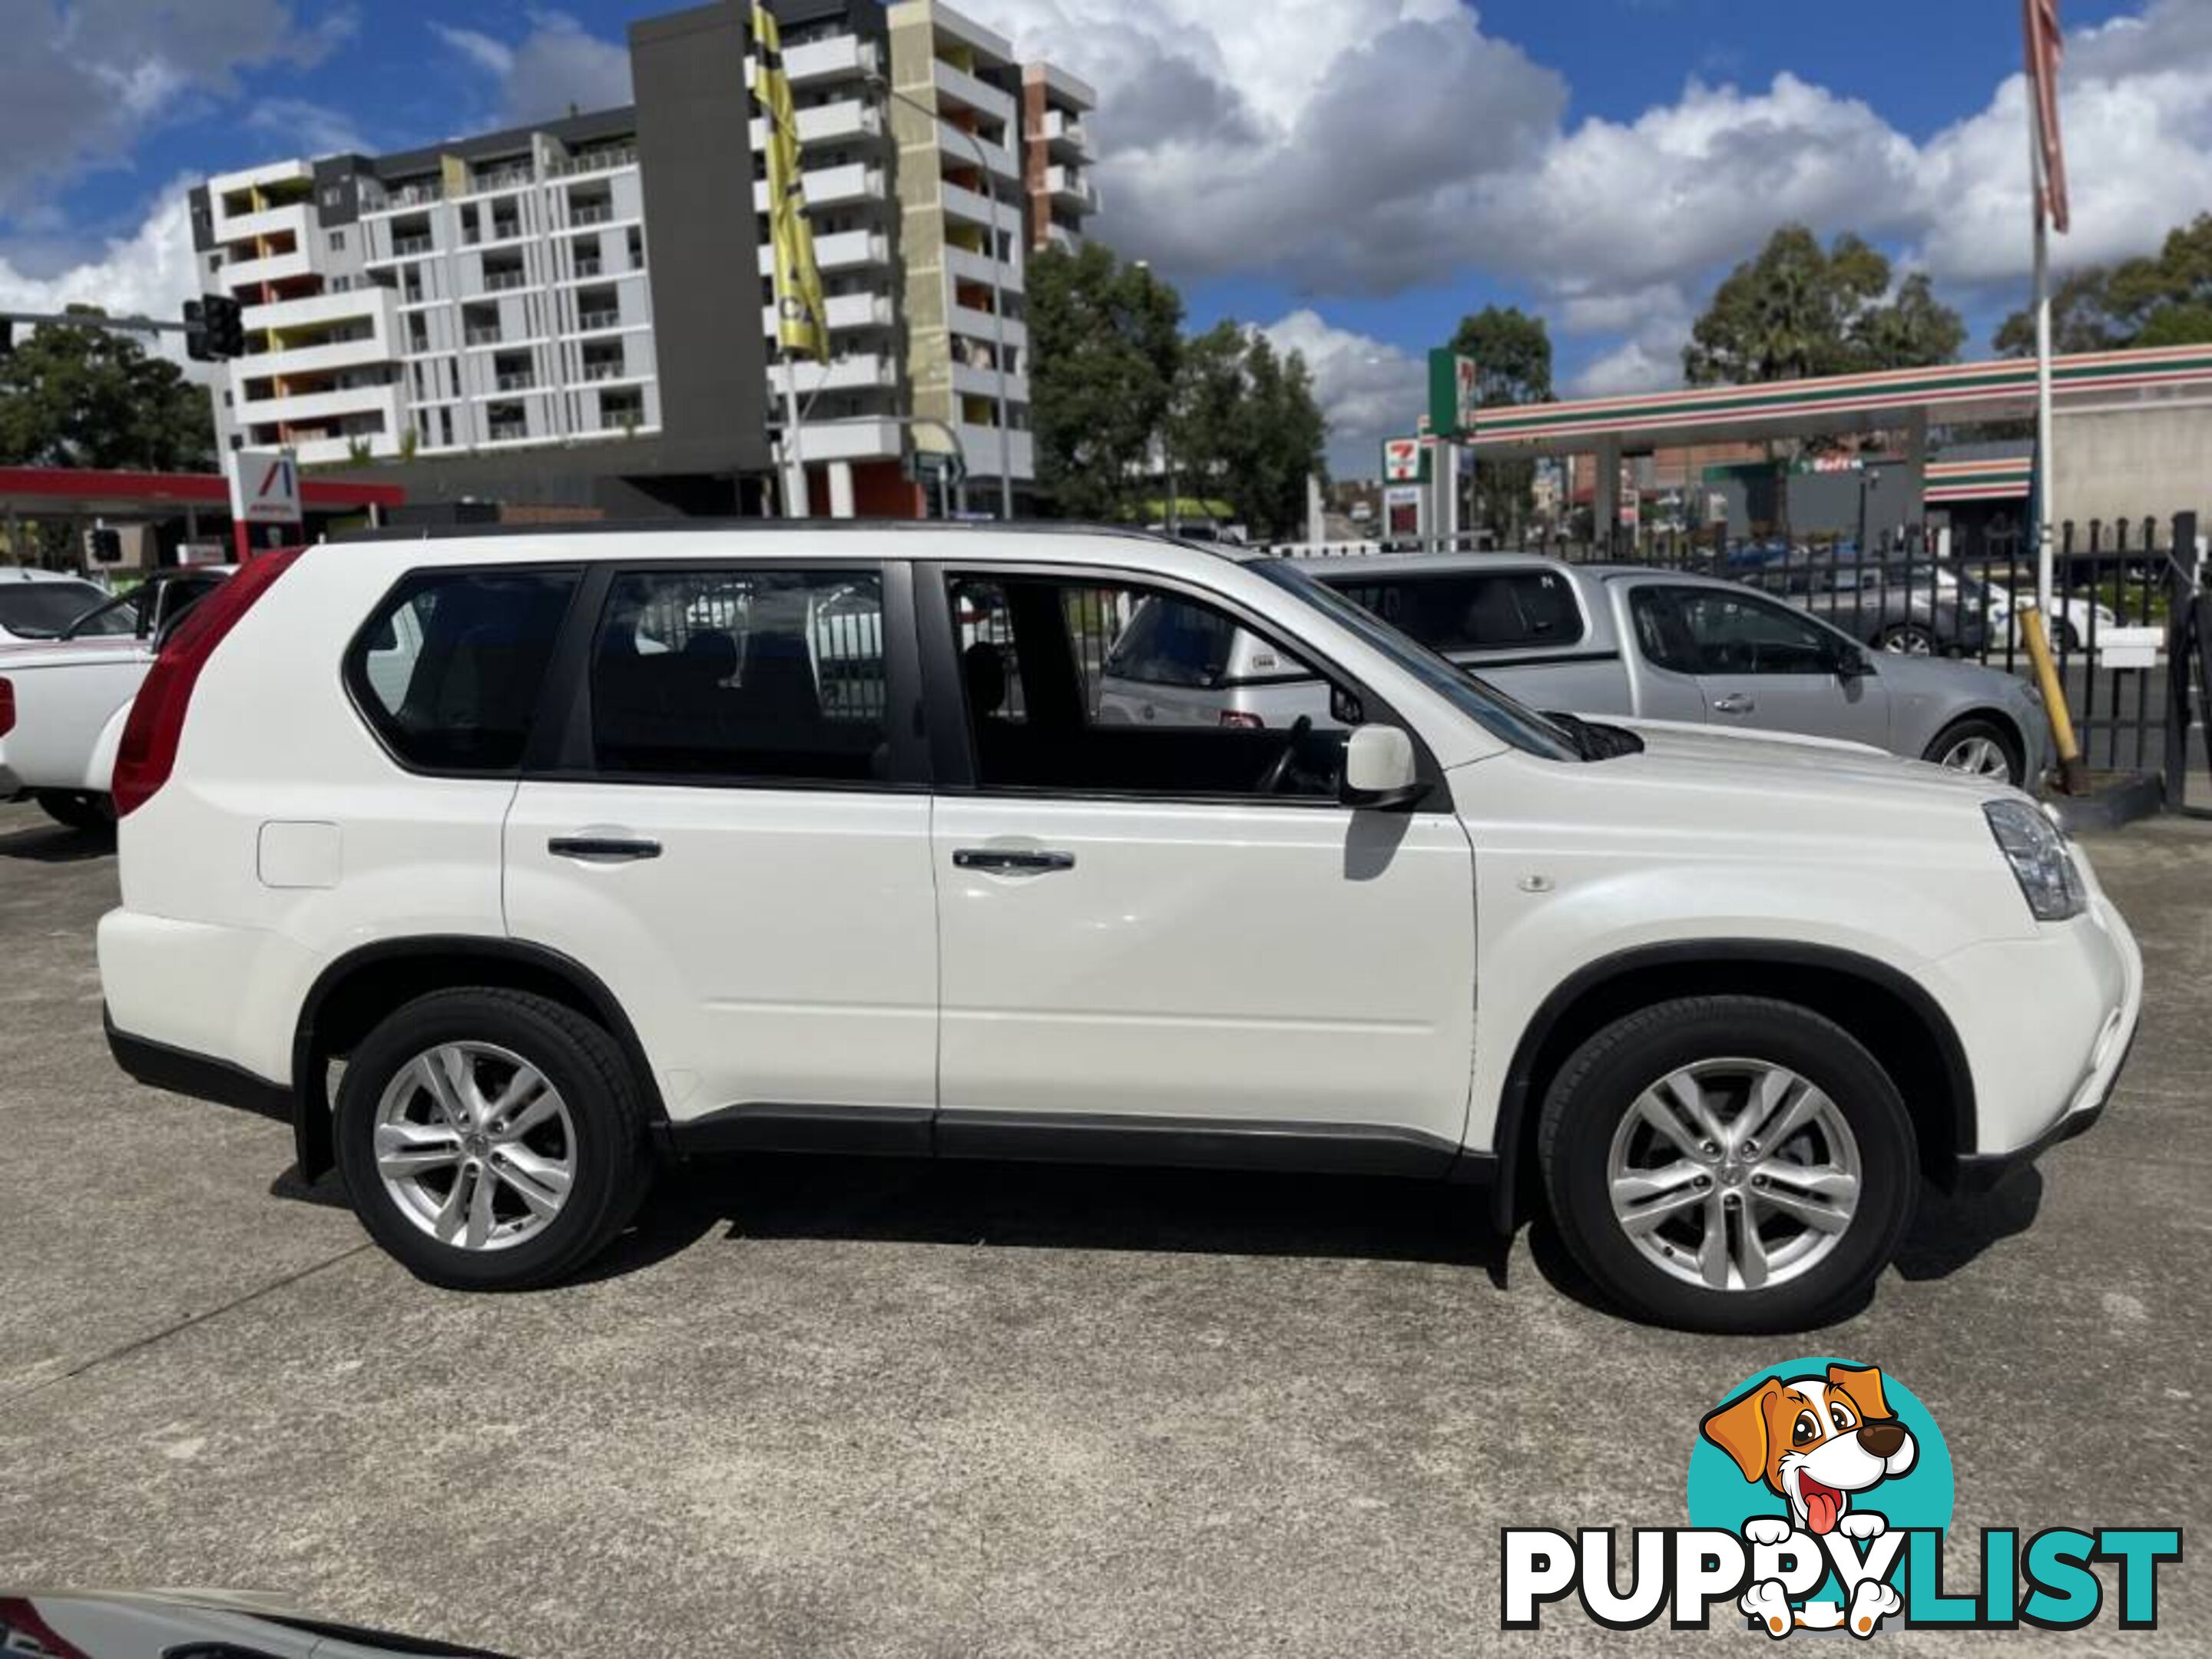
1009	861
1735	703
603	849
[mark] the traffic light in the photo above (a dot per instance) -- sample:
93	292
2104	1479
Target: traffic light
104	545
214	330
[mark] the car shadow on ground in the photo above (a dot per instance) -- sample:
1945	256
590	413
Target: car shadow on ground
1058	1206
769	1195
52	844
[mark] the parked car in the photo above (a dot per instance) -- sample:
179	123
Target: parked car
38	604
1601	640
63	703
193	1624
1719	1001
1900	609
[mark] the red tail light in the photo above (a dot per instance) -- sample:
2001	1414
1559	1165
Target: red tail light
1241	720
148	748
7	706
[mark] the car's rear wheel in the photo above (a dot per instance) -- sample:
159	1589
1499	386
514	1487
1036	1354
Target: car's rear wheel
84	810
491	1140
1727	1163
1979	747
1907	640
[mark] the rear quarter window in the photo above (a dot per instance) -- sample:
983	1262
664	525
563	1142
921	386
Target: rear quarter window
449	668
1475	610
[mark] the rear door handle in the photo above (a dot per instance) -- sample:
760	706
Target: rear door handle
1007	861
1735	703
603	849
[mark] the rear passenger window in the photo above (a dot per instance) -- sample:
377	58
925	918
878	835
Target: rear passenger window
1475	610
745	674
449	668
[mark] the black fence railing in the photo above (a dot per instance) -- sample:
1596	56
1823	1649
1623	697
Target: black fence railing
2121	594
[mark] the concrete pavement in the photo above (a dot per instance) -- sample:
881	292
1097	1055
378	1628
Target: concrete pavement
842	1406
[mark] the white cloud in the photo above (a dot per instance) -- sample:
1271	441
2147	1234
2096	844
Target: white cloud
558	66
82	82
150	272
302	128
1368	391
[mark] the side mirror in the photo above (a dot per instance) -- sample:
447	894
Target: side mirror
1380	772
1853	665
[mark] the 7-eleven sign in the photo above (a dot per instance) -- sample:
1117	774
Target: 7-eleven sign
1405	461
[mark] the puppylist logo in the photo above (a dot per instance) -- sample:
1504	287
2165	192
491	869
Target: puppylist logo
1820	1498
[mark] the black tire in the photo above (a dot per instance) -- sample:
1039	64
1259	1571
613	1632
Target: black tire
612	1152
82	809
1598	1086
1976	727
2065	637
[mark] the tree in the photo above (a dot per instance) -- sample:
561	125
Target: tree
1800	310
1512	354
2152	301
1244	421
87	398
1104	346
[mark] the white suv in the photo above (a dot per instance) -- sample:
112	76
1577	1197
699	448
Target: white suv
585	850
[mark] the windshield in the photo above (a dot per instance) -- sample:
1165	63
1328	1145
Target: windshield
119	615
39	610
1472	695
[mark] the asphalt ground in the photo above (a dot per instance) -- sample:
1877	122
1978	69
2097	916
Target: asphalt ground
842	1407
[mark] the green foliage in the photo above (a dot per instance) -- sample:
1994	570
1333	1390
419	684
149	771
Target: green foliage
1800	310
2165	300
1105	343
87	398
1244	426
1512	353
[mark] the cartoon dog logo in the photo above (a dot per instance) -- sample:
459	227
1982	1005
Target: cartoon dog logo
1818	1443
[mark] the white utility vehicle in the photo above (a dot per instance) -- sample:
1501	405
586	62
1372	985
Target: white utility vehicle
619	864
36	605
64	701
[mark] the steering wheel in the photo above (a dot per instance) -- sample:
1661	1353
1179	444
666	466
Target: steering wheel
1272	778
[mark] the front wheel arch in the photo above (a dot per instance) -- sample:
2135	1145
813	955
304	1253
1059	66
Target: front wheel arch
1891	1016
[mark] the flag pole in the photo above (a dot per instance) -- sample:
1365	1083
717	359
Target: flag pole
2045	468
796	504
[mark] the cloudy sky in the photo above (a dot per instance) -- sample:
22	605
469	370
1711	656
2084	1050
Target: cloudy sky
1351	174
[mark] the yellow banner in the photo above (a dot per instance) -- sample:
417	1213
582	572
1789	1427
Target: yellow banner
802	320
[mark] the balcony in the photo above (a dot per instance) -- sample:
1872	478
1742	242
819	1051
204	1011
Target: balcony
847	311
597	161
1072	187
970	381
421	193
851	250
959	87
585	268
483	335
591	322
965	265
514	178
829	187
982	326
1060	236
866	372
961	202
965	147
844	121
499	282
604	370
307	407
842	56
1066	131
523	380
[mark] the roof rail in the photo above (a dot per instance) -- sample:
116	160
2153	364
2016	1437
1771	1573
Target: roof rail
672	527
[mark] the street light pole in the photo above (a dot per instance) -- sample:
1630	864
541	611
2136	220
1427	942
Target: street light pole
999	299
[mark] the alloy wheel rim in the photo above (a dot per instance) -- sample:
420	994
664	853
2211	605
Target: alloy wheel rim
475	1147
1910	643
1734	1175
1981	757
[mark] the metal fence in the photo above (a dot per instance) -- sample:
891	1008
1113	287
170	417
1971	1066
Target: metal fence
2117	627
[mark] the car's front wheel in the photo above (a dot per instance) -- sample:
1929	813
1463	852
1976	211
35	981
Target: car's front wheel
1908	639
1980	747
1727	1163
491	1140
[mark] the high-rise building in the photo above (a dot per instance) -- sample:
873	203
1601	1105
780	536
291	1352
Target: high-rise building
591	297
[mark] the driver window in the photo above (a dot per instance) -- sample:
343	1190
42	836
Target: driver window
1082	687
1737	634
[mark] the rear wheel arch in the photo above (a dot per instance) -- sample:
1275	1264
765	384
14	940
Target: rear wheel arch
1892	1017
352	995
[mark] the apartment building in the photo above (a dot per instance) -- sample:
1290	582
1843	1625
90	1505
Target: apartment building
592	298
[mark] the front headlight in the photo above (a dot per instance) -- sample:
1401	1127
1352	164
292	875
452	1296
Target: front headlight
2040	861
